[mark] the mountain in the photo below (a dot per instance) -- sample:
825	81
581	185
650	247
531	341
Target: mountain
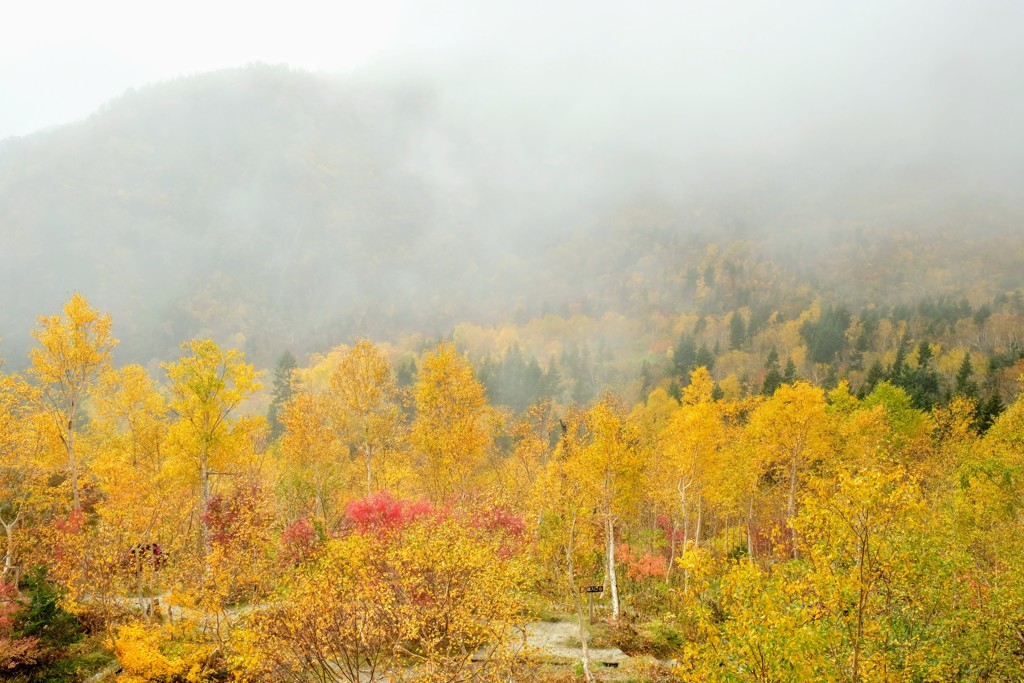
271	209
260	202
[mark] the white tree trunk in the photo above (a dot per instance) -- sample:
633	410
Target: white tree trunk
686	516
672	551
204	493
585	657
700	519
69	445
9	550
611	567
369	473
750	520
791	508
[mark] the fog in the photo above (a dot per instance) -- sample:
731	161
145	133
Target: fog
475	159
748	77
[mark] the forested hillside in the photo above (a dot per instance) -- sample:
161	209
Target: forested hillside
387	520
275	210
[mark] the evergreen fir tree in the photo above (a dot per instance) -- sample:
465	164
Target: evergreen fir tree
646	380
876	374
826	338
704	358
789	374
922	383
281	392
831	380
684	356
773	378
551	383
989	411
964	384
737	331
406	373
898	369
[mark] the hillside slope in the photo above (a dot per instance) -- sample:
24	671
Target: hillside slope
275	209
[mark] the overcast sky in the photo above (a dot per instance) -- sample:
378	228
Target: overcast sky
768	68
61	59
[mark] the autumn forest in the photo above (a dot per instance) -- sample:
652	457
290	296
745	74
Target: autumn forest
395	516
512	342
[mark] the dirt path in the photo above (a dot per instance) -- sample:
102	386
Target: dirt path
560	639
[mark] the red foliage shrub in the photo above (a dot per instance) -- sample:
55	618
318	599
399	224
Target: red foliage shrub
71	524
641	566
15	653
10	603
218	518
299	541
497	520
18	653
381	513
666	523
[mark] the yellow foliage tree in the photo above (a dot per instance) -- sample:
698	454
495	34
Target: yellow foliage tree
72	350
690	445
530	454
207	386
853	529
311	458
22	480
451	432
136	519
567	516
614	462
367	410
760	632
789	428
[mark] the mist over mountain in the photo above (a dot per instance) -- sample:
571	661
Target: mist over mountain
260	202
270	208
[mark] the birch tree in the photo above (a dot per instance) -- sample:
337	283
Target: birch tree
72	350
